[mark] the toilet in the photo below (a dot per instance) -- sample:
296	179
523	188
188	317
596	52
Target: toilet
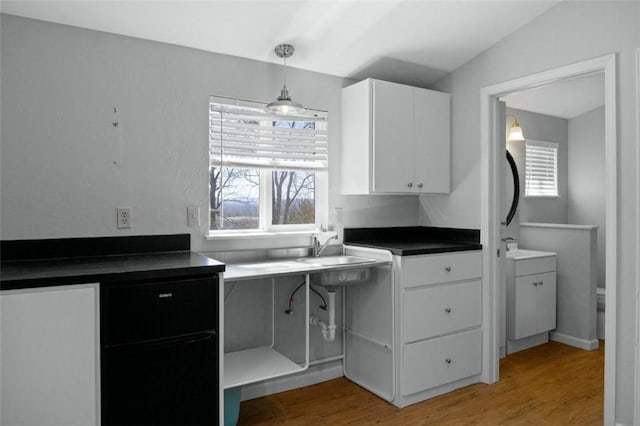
601	309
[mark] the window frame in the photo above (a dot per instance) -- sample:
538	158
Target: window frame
548	145
265	227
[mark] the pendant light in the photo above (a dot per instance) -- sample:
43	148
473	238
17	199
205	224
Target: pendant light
284	105
515	132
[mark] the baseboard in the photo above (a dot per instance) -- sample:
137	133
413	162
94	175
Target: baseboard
587	345
526	342
311	376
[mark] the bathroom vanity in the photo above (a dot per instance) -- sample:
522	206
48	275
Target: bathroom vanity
531	298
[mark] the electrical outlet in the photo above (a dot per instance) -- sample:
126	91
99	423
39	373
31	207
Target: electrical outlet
124	217
193	216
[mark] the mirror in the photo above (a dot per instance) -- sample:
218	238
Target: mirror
515	190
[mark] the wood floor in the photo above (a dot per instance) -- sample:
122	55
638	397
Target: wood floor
551	384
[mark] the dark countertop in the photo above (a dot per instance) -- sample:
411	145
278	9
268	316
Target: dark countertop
29	272
414	240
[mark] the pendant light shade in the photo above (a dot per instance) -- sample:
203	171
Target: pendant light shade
515	132
283	105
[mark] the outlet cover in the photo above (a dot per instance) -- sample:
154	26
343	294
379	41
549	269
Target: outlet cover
193	216
123	220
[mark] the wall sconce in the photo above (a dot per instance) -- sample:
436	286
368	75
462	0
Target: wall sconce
515	132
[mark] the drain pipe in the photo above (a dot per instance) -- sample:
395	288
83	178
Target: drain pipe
328	330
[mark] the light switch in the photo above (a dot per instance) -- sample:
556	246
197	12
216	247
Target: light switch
193	216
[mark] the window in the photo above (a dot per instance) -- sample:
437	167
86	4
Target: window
267	173
541	169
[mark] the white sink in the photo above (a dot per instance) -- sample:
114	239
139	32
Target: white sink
335	260
519	254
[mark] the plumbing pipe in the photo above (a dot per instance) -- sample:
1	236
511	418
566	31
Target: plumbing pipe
328	330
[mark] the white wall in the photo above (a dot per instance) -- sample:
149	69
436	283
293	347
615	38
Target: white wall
538	209
586	177
567	33
59	87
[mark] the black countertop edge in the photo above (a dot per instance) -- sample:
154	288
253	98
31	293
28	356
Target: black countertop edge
56	248
55	262
434	248
412	234
414	240
110	278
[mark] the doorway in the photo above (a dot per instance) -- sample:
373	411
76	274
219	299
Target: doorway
492	152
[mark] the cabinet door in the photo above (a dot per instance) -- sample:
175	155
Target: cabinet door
49	356
525	306
546	302
432	140
392	138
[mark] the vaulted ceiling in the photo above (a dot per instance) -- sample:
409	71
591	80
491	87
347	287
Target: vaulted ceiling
412	41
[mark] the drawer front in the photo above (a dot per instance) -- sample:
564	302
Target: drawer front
439	361
132	312
535	266
437	268
438	310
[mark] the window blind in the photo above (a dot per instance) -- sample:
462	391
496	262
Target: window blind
541	174
242	134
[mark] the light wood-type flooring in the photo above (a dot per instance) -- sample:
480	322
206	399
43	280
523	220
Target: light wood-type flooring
551	384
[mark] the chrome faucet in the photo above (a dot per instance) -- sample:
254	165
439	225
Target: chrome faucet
319	248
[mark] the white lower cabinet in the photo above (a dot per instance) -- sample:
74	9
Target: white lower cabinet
417	333
534	298
438	324
531	300
49	356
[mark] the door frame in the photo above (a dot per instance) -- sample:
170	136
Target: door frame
491	198
637	391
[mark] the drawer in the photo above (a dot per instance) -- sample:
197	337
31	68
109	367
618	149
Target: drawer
437	268
439	361
535	266
433	311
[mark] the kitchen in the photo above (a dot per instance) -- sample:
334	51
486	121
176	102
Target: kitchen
66	167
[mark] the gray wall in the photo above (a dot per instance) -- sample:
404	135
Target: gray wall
586	177
538	209
63	175
567	33
59	87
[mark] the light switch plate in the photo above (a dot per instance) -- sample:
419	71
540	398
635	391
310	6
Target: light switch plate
193	216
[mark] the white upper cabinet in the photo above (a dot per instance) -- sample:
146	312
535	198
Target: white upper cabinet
395	139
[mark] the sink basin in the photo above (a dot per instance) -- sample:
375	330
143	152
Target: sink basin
335	260
519	254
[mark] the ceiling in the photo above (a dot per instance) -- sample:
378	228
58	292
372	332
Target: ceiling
411	41
565	99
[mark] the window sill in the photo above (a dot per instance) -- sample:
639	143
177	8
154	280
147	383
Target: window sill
259	235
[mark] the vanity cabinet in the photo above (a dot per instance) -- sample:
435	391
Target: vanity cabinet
395	139
535	304
49	353
531	296
439	315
